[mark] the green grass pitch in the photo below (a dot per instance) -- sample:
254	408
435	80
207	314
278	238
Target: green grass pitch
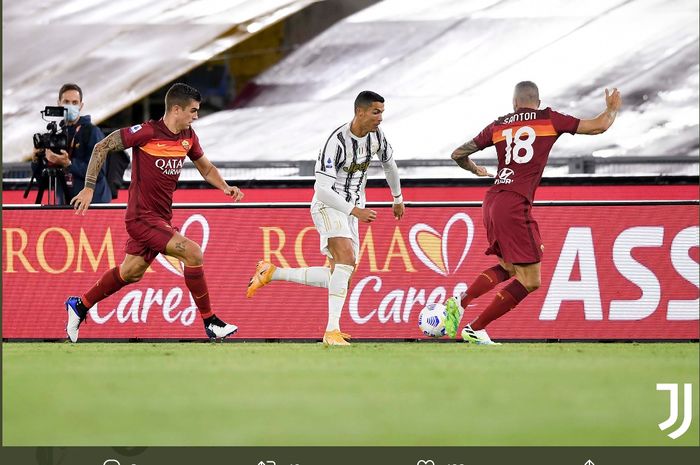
366	394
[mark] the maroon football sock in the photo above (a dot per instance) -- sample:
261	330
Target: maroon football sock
486	281
108	284
506	299
197	284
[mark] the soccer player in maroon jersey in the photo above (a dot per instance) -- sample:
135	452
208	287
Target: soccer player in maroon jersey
523	140
159	151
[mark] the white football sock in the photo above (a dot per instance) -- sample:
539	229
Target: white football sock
318	276
337	292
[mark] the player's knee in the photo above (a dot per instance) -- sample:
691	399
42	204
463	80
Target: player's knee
533	284
195	257
344	256
347	258
510	269
132	276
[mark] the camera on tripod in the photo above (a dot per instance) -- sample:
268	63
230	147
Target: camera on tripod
55	139
48	175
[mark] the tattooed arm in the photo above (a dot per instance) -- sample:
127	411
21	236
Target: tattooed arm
461	157
99	155
81	202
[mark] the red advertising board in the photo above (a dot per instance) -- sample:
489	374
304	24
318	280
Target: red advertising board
609	272
464	192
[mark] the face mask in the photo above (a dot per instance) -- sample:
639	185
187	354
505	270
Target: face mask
73	112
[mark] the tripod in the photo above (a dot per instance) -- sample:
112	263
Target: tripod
49	178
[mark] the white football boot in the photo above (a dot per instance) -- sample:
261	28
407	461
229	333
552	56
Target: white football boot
479	337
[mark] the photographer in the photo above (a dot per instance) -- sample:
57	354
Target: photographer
81	136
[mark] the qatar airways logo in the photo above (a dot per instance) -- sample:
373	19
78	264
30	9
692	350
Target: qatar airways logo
175	305
171	166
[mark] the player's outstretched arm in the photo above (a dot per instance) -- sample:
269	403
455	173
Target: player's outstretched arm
82	201
212	175
601	123
461	157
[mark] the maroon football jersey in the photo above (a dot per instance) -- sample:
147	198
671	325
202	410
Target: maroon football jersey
523	140
156	163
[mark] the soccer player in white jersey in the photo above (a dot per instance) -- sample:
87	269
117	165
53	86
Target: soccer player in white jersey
337	206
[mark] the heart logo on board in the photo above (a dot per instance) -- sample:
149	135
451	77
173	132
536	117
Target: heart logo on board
431	246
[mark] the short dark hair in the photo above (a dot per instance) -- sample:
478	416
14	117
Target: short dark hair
70	86
180	94
366	98
527	91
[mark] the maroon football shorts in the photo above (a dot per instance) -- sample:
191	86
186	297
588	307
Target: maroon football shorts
148	237
511	230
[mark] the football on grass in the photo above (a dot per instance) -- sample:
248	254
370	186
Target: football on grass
431	320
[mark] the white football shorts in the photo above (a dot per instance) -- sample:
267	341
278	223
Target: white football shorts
330	222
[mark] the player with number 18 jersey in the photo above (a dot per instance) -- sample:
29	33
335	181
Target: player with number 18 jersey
523	140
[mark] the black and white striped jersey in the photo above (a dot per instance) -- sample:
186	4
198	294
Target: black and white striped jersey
345	159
